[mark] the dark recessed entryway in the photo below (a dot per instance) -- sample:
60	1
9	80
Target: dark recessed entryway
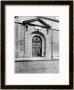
36	46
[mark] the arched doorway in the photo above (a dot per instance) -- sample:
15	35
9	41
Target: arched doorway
36	46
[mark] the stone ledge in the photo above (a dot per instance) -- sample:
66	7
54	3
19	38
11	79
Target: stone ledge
34	59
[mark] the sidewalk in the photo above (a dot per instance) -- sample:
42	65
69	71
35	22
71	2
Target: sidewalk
37	66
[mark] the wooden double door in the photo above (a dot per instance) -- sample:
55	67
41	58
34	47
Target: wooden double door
36	46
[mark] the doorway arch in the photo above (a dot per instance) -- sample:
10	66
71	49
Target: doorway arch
43	39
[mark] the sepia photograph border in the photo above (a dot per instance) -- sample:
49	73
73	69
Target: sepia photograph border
3	54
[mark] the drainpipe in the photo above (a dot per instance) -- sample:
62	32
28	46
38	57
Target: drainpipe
51	44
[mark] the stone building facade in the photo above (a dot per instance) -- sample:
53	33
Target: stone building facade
36	38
